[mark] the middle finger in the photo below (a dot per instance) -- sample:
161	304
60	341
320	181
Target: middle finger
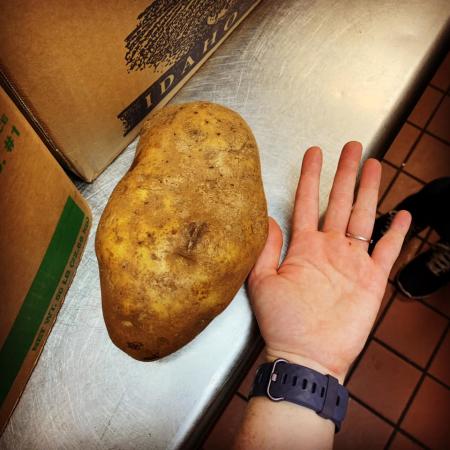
341	196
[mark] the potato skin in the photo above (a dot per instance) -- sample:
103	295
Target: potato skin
181	230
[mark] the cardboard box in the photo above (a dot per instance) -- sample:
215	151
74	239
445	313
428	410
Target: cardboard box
44	226
87	73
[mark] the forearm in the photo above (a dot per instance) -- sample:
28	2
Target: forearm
283	425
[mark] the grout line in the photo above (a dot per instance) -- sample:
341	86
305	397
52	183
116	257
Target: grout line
420	238
434	88
402	170
409	436
422	130
388	188
430	133
396	352
433	308
421	301
420	247
422	378
437	380
372	410
388	163
428	233
388	421
241	396
390	439
412	438
417	127
442	91
409	174
438	138
409	361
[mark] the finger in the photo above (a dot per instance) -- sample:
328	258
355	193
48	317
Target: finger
341	195
388	247
362	217
306	207
269	259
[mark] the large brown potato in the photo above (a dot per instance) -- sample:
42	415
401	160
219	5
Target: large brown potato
181	230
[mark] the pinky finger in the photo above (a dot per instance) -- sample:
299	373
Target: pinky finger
388	247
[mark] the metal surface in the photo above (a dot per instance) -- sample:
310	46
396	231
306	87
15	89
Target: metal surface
301	73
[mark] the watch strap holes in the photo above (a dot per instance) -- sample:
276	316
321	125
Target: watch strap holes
304	383
338	400
283	380
322	392
314	387
294	381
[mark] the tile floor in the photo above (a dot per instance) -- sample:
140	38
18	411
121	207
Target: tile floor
400	384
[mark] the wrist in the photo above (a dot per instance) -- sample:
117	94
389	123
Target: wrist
295	358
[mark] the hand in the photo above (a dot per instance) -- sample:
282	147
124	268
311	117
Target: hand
318	307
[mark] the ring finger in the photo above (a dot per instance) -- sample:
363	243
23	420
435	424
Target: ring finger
363	213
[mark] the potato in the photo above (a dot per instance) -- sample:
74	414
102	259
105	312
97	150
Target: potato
181	230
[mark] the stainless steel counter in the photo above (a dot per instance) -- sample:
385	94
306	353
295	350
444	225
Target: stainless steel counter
301	73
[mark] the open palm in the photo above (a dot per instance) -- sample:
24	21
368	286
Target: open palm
319	305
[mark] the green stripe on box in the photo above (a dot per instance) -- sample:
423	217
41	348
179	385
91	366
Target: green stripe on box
37	301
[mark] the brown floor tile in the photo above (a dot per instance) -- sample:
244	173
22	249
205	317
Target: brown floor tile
390	289
430	159
408	252
440	367
427	419
441	78
423	233
412	329
439	125
401	442
425	106
402	144
384	381
404	185
430	235
362	430
247	383
433	237
387	174
441	300
225	430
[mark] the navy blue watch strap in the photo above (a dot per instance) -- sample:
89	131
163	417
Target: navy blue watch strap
297	384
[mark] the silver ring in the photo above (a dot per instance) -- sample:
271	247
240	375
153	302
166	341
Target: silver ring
359	238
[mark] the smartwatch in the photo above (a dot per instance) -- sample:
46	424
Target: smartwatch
297	384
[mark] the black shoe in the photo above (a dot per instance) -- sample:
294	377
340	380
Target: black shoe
427	272
382	225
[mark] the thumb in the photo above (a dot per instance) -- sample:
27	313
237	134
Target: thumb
269	259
